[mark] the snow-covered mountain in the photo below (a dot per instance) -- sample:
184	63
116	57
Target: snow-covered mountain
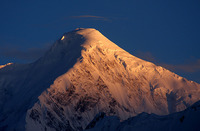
83	74
187	120
107	79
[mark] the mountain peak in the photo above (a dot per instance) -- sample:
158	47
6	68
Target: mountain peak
90	36
105	78
90	74
76	43
80	31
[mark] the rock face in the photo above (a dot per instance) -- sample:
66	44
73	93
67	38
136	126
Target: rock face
98	76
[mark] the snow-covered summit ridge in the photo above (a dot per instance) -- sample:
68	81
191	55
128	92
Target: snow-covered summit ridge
77	43
90	35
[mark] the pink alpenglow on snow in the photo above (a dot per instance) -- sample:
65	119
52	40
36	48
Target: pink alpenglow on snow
82	74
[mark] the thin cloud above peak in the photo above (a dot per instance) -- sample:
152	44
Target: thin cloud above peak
92	17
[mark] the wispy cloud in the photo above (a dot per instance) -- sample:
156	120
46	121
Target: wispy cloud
186	67
29	54
191	67
91	17
65	21
146	56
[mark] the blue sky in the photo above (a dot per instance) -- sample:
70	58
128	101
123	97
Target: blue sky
164	32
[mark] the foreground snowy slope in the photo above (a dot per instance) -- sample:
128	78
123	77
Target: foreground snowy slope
105	78
187	120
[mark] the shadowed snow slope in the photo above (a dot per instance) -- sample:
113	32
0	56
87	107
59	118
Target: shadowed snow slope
20	85
187	120
83	74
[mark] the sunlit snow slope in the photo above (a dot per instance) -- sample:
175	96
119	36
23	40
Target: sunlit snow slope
102	77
